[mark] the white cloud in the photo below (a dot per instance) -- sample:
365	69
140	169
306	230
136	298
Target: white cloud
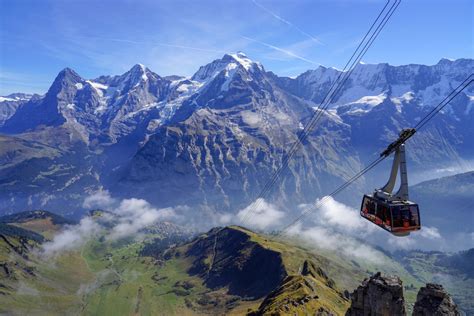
342	216
427	237
338	217
127	219
225	219
405	243
261	214
72	237
430	232
339	227
100	199
326	238
136	214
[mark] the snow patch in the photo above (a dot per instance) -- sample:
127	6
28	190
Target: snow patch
79	86
144	76
372	100
366	104
229	74
251	118
405	98
98	87
246	62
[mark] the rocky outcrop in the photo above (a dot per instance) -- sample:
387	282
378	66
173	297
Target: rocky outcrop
378	295
433	300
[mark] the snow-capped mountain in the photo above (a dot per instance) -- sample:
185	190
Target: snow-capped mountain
10	103
229	137
216	137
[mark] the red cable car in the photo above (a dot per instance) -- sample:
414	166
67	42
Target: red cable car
393	212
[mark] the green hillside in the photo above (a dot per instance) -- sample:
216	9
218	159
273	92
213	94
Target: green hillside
228	270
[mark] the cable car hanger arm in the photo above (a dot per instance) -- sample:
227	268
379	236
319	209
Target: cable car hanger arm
404	135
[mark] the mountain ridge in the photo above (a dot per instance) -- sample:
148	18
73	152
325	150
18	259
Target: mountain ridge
221	123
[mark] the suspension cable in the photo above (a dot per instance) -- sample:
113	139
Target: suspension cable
329	97
404	136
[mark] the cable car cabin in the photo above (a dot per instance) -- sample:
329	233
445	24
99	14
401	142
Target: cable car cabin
398	217
393	212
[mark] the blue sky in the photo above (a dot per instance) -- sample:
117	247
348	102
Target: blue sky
39	38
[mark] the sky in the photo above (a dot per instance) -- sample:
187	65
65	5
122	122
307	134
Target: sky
107	37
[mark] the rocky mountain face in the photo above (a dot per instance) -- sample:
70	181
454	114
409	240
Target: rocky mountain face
378	295
432	299
214	139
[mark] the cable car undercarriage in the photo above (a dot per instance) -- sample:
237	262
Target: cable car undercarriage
393	212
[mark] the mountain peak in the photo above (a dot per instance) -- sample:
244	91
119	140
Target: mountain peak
68	73
138	67
446	60
229	62
139	70
243	60
136	75
65	78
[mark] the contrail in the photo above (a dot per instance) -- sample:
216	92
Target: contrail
287	52
156	43
279	18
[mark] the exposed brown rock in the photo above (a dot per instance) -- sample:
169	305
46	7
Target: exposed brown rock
379	295
433	300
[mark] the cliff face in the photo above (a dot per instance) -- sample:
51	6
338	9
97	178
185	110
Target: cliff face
433	300
379	295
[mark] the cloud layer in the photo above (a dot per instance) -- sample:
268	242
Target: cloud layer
339	227
264	215
125	220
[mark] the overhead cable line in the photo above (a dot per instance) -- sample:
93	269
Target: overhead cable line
403	137
336	86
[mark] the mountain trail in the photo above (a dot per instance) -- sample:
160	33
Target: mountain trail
214	252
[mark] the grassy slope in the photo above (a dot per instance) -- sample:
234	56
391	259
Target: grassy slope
105	278
50	290
129	284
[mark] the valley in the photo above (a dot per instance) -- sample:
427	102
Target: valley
254	158
228	270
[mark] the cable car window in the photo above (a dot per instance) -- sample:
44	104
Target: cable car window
368	206
382	210
415	215
397	216
387	218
